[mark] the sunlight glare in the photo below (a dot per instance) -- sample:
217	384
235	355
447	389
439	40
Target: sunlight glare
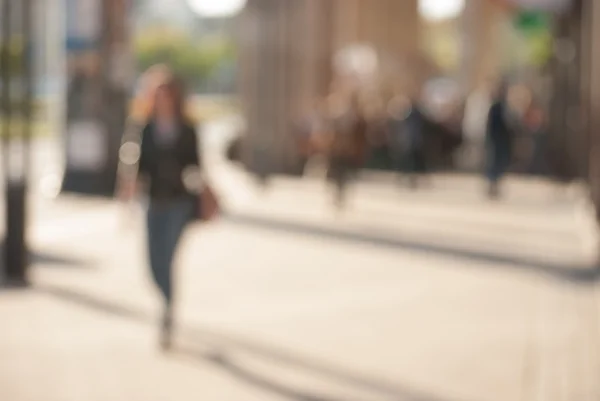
438	10
216	8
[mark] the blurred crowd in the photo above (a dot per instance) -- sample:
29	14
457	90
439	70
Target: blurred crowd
351	128
495	129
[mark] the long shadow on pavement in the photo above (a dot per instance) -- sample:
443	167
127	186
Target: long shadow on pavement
585	275
225	345
262	382
249	377
48	259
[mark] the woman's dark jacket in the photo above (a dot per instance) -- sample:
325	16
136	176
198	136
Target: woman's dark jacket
163	166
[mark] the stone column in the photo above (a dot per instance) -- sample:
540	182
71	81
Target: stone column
592	11
566	133
480	47
256	57
345	22
402	27
286	54
391	27
269	73
248	40
403	44
315	56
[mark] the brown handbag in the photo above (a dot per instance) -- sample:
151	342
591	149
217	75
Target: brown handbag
209	206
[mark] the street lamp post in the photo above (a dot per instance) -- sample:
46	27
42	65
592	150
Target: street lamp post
16	108
6	89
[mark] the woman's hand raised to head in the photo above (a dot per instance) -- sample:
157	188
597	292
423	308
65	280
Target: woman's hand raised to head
128	189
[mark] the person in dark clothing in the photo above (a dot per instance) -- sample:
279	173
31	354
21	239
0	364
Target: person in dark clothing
498	142
309	132
168	158
415	139
535	126
347	146
378	145
398	109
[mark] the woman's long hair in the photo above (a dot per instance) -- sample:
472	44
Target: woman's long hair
175	89
183	107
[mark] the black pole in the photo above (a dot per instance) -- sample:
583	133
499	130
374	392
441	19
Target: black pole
5	73
15	256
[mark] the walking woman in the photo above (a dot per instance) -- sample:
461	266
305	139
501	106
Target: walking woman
169	171
142	107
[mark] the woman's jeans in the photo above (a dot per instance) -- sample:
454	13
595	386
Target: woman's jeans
166	222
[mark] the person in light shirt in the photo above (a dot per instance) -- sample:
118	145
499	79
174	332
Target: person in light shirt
474	128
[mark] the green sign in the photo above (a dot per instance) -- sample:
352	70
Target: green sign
531	21
540	48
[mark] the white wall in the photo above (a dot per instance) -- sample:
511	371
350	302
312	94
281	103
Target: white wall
51	23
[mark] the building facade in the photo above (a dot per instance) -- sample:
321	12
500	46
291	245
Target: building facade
99	74
287	60
287	52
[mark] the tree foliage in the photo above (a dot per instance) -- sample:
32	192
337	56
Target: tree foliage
15	51
541	48
194	60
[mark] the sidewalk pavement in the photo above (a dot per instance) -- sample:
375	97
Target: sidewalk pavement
431	296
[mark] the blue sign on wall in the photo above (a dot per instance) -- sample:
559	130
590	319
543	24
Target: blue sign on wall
79	44
84	21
